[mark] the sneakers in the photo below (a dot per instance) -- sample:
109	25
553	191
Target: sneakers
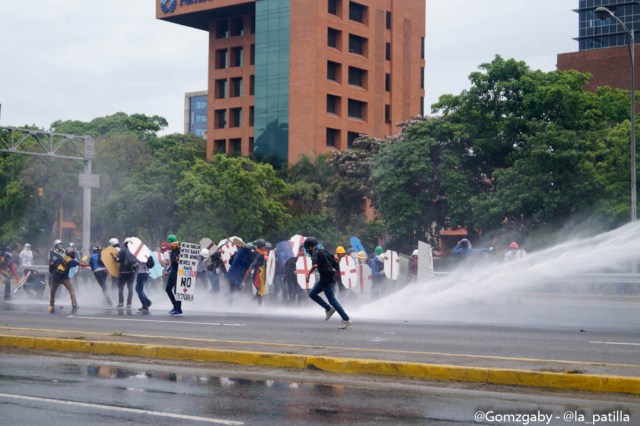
120	305
345	324
128	305
144	310
74	309
52	309
176	313
329	313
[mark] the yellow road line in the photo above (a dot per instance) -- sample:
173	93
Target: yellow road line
434	372
365	350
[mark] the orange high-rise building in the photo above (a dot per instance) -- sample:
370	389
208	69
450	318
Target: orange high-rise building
292	78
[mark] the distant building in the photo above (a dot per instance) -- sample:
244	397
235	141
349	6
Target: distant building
603	45
289	78
195	113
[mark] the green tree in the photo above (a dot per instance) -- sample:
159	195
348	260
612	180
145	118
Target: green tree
231	196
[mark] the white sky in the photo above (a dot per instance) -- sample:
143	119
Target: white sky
82	59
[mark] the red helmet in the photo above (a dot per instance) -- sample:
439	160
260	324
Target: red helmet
513	245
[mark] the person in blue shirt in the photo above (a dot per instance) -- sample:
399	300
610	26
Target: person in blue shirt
100	272
464	248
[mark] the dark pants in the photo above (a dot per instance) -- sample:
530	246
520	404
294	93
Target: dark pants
140	280
327	287
126	278
7	287
101	277
172	281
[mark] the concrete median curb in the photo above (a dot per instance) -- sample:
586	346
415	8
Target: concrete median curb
412	370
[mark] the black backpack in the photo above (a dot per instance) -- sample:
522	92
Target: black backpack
130	262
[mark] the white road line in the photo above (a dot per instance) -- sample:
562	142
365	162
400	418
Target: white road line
122	409
615	343
163	321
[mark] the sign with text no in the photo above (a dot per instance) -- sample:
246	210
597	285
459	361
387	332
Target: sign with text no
186	285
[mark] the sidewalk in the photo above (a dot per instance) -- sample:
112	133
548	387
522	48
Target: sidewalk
531	373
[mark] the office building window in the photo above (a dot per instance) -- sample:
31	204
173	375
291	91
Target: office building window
221	118
236	87
221	89
334	71
351	136
237	26
334	7
251	116
358	12
252	85
236	117
357	45
220	146
251	145
358	77
222	28
387	51
388	20
252	55
333	137
387	113
357	109
221	58
334	38
333	104
236	56
387	82
422	77
236	146
422	47
422	106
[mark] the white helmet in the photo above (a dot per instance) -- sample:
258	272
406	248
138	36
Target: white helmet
204	252
56	242
114	242
72	245
27	245
415	252
126	240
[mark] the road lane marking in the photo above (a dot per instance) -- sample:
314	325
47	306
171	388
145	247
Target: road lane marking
338	348
121	409
162	321
615	343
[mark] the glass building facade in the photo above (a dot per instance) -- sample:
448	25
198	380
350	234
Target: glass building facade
271	98
595	33
198	115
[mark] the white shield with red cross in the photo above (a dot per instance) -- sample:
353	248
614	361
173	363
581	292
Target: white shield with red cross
227	249
391	265
365	278
207	243
297	242
303	266
348	272
138	249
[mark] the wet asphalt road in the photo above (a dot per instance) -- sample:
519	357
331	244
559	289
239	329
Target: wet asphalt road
64	390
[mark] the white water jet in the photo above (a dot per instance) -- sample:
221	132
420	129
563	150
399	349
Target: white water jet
543	288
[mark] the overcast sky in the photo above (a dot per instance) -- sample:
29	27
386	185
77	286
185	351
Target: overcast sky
82	59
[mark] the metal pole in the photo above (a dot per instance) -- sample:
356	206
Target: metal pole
634	214
86	212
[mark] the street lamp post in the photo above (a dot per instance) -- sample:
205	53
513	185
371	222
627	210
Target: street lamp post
604	13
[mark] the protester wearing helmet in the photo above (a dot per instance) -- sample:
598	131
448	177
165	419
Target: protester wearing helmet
377	272
99	272
7	267
60	276
328	267
172	281
258	268
514	252
26	257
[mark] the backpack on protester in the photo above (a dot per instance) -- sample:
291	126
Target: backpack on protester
130	262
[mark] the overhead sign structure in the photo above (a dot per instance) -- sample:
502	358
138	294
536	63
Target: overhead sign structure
187	269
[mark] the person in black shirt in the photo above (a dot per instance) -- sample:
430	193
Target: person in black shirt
327	267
